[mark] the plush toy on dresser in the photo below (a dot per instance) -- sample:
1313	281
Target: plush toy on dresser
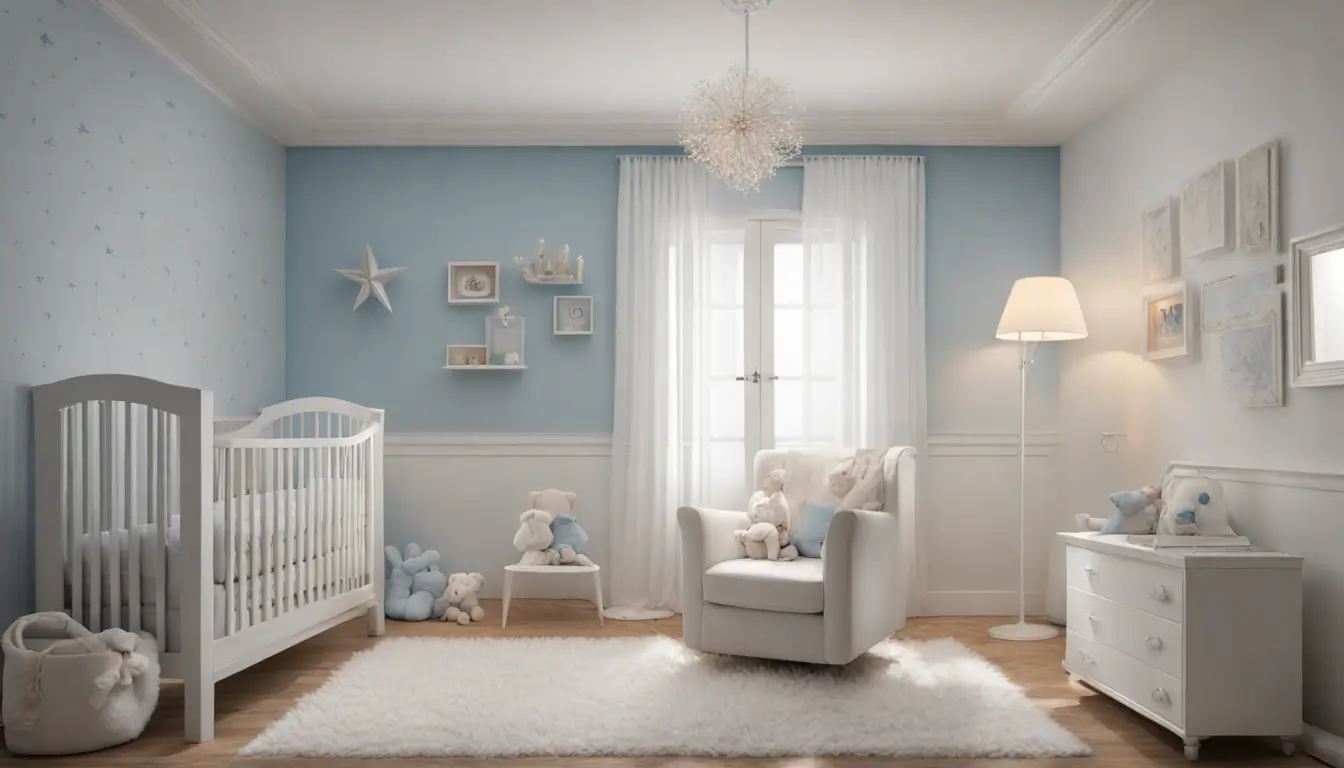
1136	512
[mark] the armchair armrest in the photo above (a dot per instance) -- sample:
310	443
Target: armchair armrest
864	581
706	539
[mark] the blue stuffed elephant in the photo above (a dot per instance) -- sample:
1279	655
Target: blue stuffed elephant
415	584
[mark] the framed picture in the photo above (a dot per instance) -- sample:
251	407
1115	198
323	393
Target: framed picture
466	355
504	341
473	282
1160	259
1252	356
1168	323
1227	301
573	316
1258	199
1205	219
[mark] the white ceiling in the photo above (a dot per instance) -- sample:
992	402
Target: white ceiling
513	72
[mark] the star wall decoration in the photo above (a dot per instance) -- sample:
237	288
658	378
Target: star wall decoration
372	279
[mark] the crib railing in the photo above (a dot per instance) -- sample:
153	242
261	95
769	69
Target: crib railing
296	521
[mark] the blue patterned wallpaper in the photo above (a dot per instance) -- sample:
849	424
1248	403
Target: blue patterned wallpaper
142	231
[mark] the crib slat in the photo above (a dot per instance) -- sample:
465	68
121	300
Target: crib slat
268	533
309	530
92	512
113	511
74	511
230	543
133	522
161	512
291	530
254	536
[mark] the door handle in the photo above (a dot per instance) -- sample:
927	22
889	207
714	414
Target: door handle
774	378
754	378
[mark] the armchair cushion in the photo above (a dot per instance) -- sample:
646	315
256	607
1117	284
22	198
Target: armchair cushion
784	586
809	535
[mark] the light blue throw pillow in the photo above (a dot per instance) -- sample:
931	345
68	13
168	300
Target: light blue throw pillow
816	518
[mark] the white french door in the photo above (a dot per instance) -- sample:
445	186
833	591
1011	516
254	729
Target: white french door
773	331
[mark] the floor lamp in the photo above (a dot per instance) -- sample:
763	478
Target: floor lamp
1039	309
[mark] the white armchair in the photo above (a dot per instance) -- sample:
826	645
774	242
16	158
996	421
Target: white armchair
827	610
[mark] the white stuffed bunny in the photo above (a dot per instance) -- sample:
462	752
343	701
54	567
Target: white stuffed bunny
534	538
462	596
768	535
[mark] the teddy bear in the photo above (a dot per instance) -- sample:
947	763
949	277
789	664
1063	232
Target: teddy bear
1136	512
461	598
414	582
534	538
768	535
1196	507
568	538
856	482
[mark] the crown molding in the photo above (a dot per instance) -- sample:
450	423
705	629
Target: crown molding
628	130
200	21
1105	26
131	22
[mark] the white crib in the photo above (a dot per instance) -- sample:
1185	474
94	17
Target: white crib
228	549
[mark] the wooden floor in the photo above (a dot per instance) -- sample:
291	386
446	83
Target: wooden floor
250	700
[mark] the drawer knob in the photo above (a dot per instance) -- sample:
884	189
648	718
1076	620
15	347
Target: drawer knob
1092	618
1161	697
1160	594
1086	658
1155	643
1089	570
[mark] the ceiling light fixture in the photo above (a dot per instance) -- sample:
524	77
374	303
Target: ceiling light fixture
742	127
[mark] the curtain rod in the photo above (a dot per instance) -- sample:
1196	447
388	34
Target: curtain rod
791	163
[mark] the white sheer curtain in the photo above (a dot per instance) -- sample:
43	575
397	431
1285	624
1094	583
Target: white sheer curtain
661	246
870	212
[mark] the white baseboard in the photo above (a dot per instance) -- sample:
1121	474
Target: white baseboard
1323	745
978	603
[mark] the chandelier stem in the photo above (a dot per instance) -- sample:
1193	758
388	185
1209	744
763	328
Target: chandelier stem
746	41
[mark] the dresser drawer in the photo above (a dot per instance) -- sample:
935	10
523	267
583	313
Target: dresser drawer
1148	638
1146	688
1148	587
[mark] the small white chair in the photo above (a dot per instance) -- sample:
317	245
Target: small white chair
550	570
826	610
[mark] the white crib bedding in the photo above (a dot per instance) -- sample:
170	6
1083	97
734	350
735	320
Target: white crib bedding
291	527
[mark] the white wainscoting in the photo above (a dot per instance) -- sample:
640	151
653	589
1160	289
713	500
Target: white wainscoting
462	494
969	522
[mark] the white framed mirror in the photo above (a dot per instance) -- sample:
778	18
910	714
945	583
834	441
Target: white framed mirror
1316	309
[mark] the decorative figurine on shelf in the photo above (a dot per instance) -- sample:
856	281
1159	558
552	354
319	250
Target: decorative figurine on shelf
504	316
473	360
547	269
512	358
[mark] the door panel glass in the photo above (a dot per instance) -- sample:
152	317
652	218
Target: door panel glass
790	342
725	343
725	274
790	276
789	410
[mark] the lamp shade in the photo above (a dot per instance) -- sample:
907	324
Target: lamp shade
1042	309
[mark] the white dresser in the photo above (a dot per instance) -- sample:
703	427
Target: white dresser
1202	643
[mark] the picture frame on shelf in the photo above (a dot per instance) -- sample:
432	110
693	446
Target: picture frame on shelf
1168	322
505	341
466	356
572	316
473	282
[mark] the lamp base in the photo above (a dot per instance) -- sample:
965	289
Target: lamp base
1021	631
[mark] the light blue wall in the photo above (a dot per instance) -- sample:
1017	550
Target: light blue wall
141	231
993	215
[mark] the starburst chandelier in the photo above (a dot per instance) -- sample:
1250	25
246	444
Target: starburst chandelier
742	127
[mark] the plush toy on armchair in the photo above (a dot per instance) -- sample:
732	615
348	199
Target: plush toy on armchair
767	538
1136	512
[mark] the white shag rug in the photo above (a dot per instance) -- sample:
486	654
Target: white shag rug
438	697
